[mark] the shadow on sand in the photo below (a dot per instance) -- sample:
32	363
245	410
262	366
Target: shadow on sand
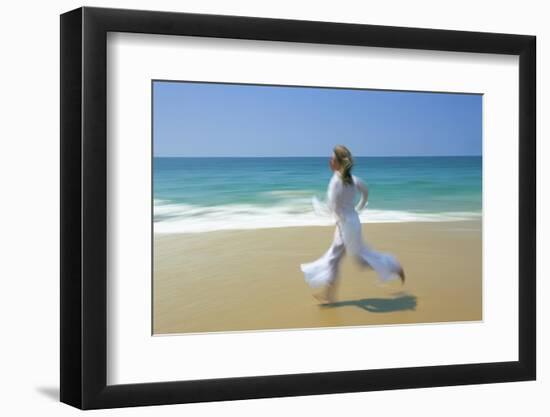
378	305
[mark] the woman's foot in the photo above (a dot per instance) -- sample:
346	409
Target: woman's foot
321	297
327	296
401	274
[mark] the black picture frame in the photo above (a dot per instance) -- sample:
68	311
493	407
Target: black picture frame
83	311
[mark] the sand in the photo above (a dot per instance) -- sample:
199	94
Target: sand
250	279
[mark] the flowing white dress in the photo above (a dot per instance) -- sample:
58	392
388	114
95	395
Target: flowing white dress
347	237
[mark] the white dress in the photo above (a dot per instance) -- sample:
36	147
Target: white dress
347	237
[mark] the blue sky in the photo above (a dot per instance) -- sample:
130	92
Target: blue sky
204	119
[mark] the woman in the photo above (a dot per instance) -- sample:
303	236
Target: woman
341	193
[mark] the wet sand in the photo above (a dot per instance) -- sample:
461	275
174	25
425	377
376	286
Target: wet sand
251	280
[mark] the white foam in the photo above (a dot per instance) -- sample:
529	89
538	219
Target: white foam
186	218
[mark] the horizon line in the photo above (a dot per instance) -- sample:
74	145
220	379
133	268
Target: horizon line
321	156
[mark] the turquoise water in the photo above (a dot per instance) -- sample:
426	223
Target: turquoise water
203	194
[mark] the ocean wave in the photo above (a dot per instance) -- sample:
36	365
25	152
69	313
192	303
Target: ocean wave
186	218
289	193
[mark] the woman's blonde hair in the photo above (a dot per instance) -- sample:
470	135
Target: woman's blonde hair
345	160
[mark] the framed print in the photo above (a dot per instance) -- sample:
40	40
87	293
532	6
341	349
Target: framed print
259	207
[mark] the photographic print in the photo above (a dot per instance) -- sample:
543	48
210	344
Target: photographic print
273	183
298	207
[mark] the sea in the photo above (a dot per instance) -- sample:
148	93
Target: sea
194	195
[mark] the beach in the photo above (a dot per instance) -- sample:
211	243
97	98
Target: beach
250	280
